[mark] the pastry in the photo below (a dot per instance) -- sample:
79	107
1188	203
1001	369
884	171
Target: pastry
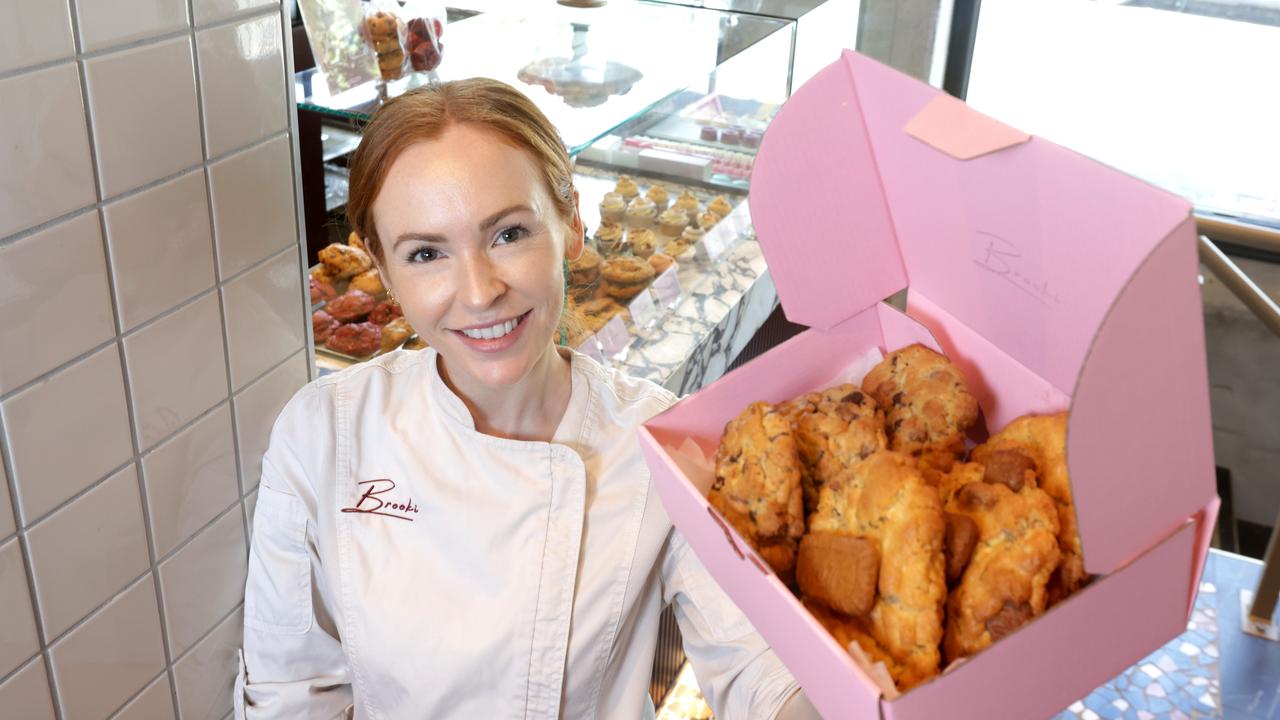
415	343
707	220
1005	581
1034	446
720	206
351	305
751	139
673	222
321	273
926	403
356	339
322	325
422	38
627	188
689	204
369	281
382	29
886	500
659	196
395	332
612	208
661	262
641	213
595	313
385	312
731	136
625	277
643	242
321	291
585	269
709	133
609	239
834	429
757	485
344	261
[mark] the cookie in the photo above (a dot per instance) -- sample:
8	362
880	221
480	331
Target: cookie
1005	583
838	570
886	500
584	270
625	277
927	406
596	313
1040	441
757	485
834	429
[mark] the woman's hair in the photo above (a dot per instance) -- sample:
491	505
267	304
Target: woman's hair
423	114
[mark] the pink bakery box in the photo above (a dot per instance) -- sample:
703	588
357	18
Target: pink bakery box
1053	282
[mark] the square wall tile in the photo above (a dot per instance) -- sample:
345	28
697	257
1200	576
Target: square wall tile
18	639
264	317
256	409
208	11
242	74
161	247
104	23
49	173
55	300
6	508
253	204
34	32
177	369
204	581
206	677
26	695
191	479
145	119
88	551
67	432
154	703
113	655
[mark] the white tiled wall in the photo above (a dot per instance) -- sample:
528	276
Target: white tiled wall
152	325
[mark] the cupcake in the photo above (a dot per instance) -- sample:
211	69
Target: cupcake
720	206
627	188
641	213
612	208
643	242
689	204
661	262
707	220
609	239
673	222
658	195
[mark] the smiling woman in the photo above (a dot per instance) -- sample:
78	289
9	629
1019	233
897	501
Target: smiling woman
470	530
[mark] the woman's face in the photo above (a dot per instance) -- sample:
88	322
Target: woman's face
474	249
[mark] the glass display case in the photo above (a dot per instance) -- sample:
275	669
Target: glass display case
703	86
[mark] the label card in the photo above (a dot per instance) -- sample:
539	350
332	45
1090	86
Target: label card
643	312
667	286
591	348
614	337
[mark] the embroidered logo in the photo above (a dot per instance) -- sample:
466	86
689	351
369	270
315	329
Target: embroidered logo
371	504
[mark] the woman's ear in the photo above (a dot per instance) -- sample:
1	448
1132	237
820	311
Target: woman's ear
577	232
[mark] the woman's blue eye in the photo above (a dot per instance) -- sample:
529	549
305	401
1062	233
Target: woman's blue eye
423	255
511	234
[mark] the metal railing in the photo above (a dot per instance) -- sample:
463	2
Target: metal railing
1260	605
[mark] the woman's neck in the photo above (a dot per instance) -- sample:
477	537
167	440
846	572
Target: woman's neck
531	409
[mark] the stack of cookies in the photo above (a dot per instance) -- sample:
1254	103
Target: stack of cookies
865	502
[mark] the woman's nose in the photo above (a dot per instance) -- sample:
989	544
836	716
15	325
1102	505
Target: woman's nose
479	284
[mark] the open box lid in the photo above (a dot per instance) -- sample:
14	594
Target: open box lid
1019	254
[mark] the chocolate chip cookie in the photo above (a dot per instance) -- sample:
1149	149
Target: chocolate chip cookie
834	428
625	277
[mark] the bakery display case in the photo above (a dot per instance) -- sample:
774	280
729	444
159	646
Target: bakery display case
663	136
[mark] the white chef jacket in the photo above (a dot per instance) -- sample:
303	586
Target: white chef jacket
406	564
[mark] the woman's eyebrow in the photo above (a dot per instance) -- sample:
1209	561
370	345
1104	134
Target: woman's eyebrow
494	218
415	236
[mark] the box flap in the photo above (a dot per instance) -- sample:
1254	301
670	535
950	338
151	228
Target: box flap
949	125
818	208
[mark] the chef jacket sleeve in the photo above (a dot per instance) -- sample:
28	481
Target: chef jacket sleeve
739	675
292	664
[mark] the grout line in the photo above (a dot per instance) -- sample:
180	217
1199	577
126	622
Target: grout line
205	636
200	166
116	713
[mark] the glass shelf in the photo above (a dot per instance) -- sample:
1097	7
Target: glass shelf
590	71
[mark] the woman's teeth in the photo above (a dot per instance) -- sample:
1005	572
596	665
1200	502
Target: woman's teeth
492	332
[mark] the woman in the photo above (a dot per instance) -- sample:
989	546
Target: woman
470	531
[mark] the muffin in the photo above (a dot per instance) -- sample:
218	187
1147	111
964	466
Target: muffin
612	208
689	204
659	196
673	222
720	206
609	239
625	277
707	220
627	188
641	213
643	242
661	262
